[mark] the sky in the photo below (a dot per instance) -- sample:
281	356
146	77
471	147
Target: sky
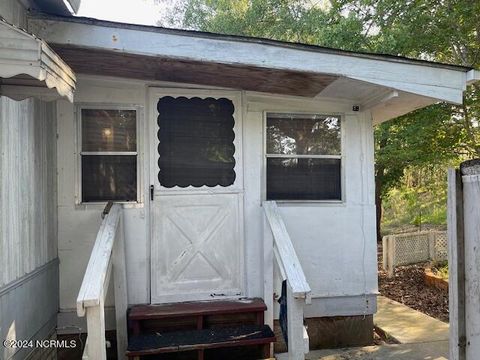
145	12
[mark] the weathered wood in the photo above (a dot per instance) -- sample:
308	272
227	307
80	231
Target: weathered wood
446	83
268	272
96	332
96	275
196	308
287	257
471	231
108	255
296	335
298	290
120	289
456	266
112	63
214	338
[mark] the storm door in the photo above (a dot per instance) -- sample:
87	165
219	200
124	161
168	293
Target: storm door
196	197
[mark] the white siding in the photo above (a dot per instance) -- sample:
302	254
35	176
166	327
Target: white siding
28	222
335	242
28	187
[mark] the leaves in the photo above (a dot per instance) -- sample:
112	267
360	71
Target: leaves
441	30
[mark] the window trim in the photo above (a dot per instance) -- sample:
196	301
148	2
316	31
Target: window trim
78	151
341	157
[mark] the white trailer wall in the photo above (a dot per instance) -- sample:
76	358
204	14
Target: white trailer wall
336	242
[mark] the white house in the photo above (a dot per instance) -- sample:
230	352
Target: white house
234	163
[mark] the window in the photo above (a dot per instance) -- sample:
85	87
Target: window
196	142
303	157
108	155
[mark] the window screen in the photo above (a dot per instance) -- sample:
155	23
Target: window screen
196	142
303	157
109	155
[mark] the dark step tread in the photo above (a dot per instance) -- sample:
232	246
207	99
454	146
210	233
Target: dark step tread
150	344
196	308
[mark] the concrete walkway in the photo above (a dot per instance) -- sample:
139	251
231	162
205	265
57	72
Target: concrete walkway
421	337
406	325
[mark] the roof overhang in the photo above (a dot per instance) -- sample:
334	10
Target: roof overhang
388	86
57	7
29	67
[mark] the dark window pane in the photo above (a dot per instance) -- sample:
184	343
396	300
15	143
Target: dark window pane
297	134
109	130
109	177
303	179
196	142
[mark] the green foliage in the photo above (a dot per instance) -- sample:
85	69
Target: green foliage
441	269
419	199
441	30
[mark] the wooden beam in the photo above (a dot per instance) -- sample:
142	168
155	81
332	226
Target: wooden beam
456	266
436	81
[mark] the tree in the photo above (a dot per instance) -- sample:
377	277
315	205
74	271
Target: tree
440	30
446	31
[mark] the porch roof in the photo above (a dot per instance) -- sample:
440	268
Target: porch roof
29	67
387	85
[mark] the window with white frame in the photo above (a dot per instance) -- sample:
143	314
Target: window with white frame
108	154
303	157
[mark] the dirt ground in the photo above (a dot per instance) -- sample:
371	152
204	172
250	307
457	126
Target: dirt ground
408	287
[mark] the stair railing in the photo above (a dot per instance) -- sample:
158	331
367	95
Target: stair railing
278	249
108	254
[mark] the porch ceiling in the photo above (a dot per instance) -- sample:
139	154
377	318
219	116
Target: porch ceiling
390	86
113	63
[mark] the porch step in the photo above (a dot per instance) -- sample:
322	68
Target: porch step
197	308
215	329
153	344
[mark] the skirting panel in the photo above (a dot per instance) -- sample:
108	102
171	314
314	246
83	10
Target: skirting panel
28	308
333	332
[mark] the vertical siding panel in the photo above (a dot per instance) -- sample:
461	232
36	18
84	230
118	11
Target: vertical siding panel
3	200
28	200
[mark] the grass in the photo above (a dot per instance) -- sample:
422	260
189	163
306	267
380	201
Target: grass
441	269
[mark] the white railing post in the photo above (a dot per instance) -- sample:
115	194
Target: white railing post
120	289
268	274
278	247
108	255
96	332
296	344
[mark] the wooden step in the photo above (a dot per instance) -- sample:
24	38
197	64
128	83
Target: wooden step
179	341
197	308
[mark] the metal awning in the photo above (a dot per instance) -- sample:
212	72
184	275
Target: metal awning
29	67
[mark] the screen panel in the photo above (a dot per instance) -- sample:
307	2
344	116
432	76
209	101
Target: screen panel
196	142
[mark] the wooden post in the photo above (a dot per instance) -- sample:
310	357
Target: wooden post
268	274
391	255
296	344
96	332
471	214
456	266
120	289
385	253
268	271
